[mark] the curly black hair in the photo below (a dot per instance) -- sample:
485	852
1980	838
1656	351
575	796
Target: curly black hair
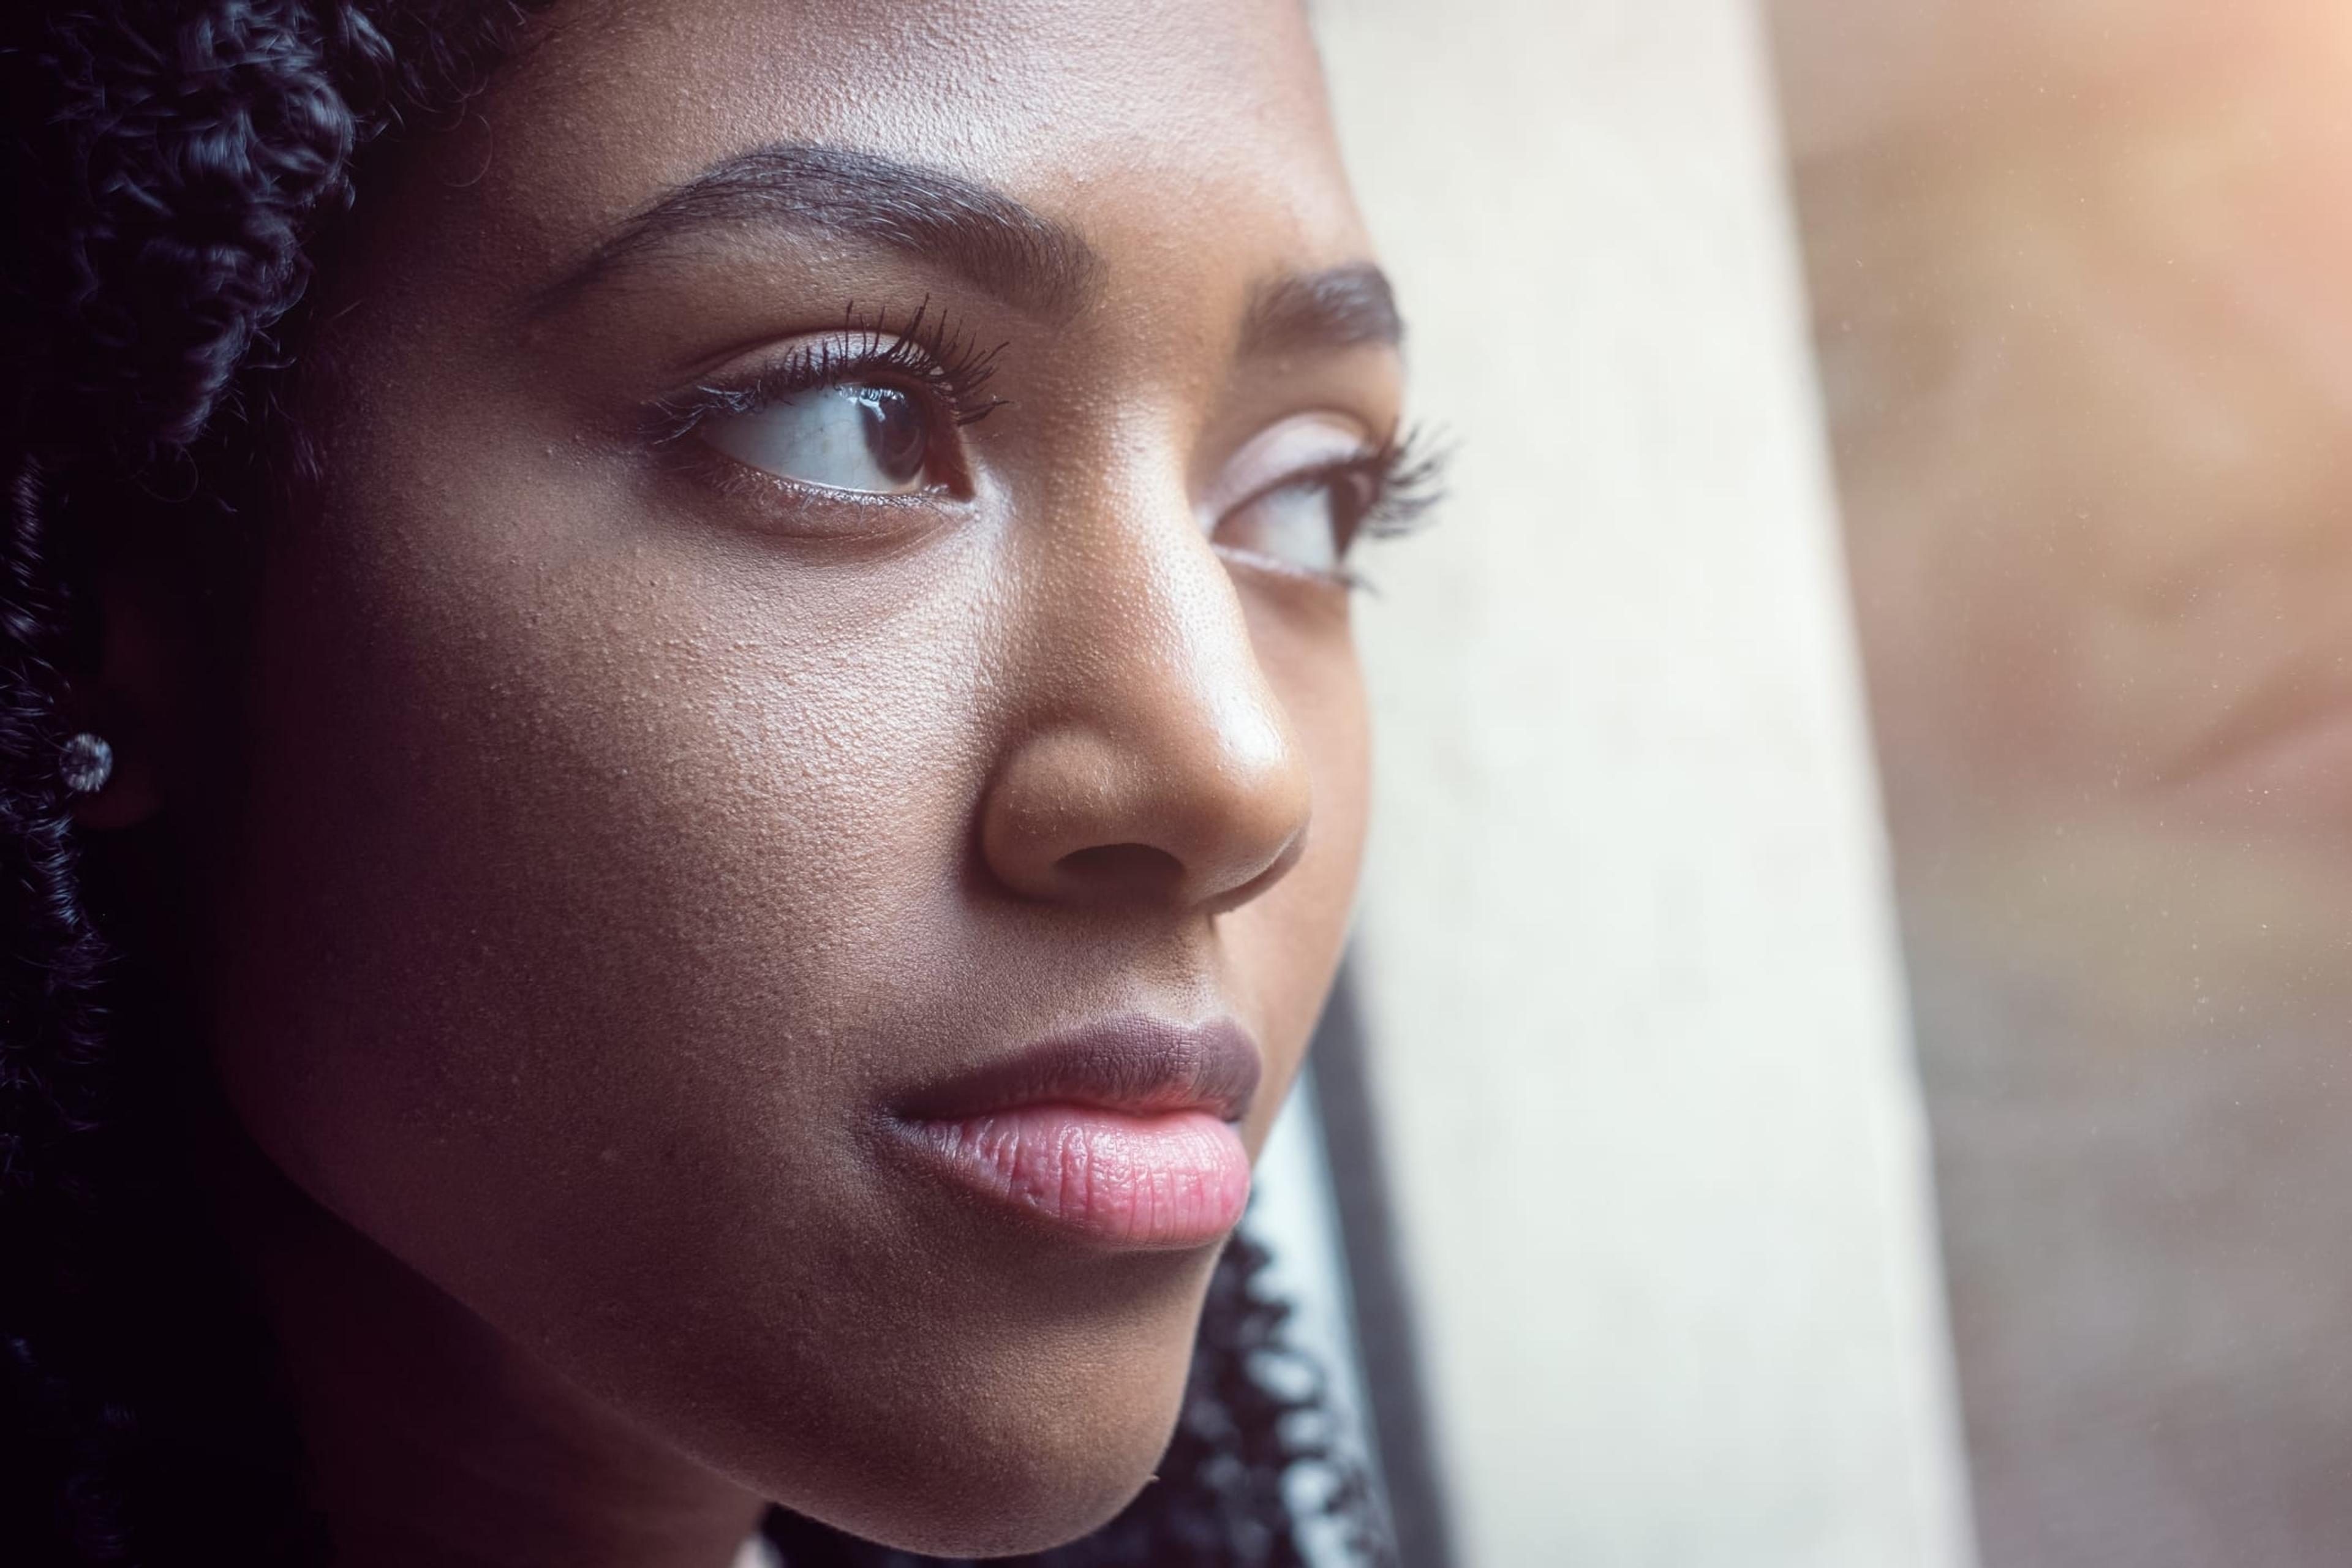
177	170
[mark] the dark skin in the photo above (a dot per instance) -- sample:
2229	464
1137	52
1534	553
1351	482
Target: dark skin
627	822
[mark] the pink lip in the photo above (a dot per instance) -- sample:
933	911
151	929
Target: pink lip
1123	1134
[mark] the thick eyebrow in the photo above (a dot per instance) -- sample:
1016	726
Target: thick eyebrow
1339	308
1038	266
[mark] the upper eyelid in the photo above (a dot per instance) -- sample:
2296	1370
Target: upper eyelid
1373	459
676	414
802	371
928	347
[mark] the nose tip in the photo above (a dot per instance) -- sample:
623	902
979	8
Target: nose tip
1146	757
1204	822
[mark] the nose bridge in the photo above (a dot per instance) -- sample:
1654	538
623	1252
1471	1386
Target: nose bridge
1178	676
1147	722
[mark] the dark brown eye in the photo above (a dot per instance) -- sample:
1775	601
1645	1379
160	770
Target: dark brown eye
872	440
897	434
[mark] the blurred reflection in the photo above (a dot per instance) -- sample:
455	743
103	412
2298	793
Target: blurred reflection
2082	277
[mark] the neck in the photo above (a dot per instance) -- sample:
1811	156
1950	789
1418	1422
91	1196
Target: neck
432	1439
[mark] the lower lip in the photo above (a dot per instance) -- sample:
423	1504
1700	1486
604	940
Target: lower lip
1174	1180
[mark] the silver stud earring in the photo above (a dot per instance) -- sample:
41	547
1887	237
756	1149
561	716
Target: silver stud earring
88	763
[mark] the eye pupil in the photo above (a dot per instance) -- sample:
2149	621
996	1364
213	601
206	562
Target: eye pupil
896	436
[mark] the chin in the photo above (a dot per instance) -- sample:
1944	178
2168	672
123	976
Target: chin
977	1411
995	1526
966	1498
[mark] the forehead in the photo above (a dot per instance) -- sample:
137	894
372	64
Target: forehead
1146	126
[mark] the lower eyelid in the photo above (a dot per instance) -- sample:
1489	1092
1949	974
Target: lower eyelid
1289	572
742	496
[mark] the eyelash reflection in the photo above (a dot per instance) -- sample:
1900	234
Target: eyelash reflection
946	368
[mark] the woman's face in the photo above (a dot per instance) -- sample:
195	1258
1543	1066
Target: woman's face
808	766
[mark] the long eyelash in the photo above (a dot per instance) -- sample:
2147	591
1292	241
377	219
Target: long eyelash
947	365
1408	476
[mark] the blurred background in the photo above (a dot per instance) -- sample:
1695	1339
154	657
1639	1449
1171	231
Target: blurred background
2079	283
1841	1061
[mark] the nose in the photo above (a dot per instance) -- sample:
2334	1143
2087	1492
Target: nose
1152	762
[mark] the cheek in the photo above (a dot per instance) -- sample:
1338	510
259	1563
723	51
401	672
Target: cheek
574	851
1286	944
595	884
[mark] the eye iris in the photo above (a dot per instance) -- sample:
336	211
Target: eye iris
1359	498
896	436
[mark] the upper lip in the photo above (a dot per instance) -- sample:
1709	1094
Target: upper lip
1138	1065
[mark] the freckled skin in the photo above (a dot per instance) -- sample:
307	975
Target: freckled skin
613	853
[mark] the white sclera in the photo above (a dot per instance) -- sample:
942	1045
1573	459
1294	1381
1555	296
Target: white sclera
828	436
1295	523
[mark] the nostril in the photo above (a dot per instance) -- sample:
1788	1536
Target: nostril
1122	870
